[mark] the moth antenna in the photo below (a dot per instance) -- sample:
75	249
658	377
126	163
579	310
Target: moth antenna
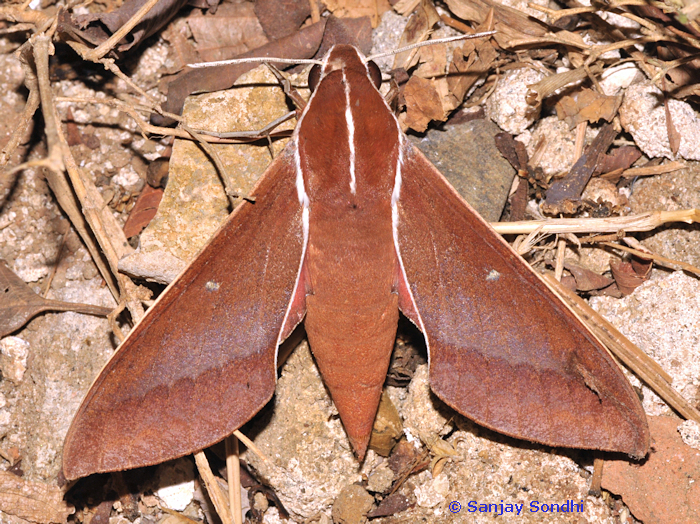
261	59
430	42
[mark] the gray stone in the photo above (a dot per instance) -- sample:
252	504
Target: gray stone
467	155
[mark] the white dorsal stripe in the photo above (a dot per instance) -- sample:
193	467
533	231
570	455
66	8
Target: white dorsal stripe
351	133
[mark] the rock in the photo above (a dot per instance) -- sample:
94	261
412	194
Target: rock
643	115
467	155
13	358
175	486
662	317
194	203
352	505
507	105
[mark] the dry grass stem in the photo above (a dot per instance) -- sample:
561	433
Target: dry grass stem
642	222
106	46
233	472
212	487
667	262
634	358
653	170
55	175
252	447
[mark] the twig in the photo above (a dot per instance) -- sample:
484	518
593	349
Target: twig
642	222
656	258
233	472
106	46
212	137
652	170
54	162
212	487
221	169
252	447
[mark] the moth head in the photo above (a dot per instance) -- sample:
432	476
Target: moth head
341	57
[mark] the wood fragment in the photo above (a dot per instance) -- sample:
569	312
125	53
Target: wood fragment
564	195
213	489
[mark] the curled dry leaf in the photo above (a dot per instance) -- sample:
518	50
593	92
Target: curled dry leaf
387	429
394	503
143	211
418	29
587	105
373	9
234	30
469	63
509	23
620	158
32	501
91	27
423	103
586	280
20	304
630	275
674	137
280	18
564	195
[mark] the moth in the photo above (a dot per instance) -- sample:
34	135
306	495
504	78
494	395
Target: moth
351	225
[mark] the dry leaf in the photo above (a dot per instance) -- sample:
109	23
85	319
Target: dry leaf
280	18
423	103
33	501
91	27
674	137
418	29
234	30
358	8
509	23
586	280
619	158
143	211
629	277
20	304
479	56
587	105
394	503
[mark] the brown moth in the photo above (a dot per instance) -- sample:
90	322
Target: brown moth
350	225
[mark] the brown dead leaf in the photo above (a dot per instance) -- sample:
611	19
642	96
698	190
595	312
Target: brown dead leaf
280	18
234	30
423	103
418	29
587	105
374	9
91	27
33	501
629	276
586	280
674	137
564	195
394	503
509	23
387	429
143	211
619	158
463	74
666	486
20	304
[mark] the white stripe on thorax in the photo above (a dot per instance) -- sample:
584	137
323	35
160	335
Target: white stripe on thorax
351	133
